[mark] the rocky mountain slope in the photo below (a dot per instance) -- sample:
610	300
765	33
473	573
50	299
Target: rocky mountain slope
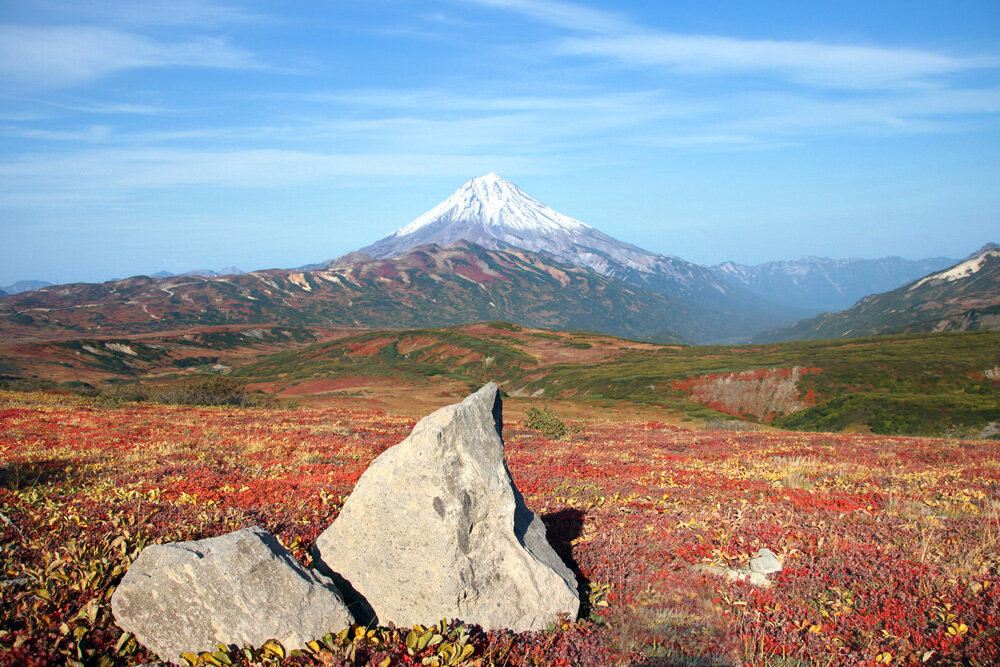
963	297
494	213
429	286
824	284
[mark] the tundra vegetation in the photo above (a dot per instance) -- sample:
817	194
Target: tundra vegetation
912	384
890	545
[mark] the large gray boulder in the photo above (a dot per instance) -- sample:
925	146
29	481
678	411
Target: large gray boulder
435	528
241	588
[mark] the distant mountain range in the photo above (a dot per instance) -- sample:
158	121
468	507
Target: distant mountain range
204	273
490	251
496	214
23	286
822	284
963	297
31	285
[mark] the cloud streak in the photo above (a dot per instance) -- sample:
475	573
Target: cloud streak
810	63
612	36
149	13
59	56
565	15
98	175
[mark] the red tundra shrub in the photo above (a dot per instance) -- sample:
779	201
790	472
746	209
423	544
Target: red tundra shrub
890	546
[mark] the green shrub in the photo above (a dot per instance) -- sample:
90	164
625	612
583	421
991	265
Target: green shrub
27	384
118	394
545	422
217	390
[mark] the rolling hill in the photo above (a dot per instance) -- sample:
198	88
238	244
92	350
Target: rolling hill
913	384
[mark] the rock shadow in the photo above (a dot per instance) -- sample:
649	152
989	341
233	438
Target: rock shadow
692	661
561	529
16	475
356	603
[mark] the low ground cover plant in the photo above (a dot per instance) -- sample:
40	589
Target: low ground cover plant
890	545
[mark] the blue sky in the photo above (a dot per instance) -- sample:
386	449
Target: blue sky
142	136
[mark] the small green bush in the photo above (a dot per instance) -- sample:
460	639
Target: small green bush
119	394
545	422
217	390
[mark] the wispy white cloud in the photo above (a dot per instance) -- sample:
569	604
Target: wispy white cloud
55	56
565	15
92	134
613	36
790	114
148	13
727	118
812	63
89	176
439	99
433	120
111	108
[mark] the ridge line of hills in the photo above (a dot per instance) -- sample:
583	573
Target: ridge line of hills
491	251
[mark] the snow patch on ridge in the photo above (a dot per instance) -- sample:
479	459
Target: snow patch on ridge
959	271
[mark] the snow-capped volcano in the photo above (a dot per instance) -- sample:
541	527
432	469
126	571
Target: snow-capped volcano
496	214
496	203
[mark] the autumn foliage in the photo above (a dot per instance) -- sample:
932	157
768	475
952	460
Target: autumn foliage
891	546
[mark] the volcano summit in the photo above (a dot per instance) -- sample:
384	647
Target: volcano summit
496	214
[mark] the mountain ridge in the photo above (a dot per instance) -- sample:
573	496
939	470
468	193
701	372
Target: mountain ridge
964	296
429	286
727	303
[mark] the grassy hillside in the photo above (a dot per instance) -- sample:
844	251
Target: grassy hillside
914	384
919	384
109	359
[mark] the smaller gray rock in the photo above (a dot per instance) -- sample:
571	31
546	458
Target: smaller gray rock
762	563
765	562
758	579
241	588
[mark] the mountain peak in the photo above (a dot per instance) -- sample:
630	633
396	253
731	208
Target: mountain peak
493	202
